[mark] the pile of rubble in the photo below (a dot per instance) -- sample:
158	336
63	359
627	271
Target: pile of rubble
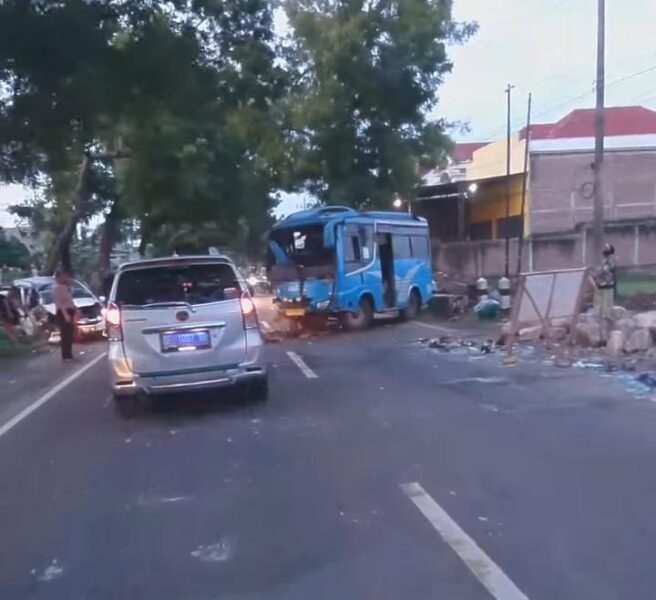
623	333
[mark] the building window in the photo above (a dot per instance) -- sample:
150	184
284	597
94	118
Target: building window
480	231
511	227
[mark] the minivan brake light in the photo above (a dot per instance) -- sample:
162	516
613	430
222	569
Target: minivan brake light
113	323
248	311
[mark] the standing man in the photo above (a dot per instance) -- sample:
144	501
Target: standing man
606	283
67	313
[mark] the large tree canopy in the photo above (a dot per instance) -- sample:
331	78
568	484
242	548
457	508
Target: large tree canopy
181	91
368	73
186	116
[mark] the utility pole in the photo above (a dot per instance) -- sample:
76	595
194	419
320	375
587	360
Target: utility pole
507	257
527	140
598	213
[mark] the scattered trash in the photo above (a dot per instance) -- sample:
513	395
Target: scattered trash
648	379
484	519
217	552
488	310
487	347
52	571
630	365
562	362
478	380
442	343
582	364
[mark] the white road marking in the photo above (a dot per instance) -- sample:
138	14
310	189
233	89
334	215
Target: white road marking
266	326
26	412
300	363
479	563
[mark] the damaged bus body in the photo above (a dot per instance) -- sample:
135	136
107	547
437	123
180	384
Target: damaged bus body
341	262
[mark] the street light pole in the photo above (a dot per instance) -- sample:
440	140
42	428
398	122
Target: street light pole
507	254
598	210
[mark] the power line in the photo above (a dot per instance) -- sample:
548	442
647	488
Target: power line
519	123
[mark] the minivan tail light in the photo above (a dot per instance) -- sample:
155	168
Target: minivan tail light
248	311
113	323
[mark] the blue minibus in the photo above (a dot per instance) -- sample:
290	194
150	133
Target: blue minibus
341	262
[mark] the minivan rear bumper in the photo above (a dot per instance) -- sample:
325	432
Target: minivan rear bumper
127	383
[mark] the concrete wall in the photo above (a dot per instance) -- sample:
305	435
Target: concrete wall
634	241
562	191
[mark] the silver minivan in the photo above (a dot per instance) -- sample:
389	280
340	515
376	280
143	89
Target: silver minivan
182	324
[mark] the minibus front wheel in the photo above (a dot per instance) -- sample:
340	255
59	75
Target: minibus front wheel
360	319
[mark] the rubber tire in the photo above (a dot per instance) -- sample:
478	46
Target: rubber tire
359	320
414	306
127	406
258	390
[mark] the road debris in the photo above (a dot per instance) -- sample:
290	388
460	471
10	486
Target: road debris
648	379
218	552
52	571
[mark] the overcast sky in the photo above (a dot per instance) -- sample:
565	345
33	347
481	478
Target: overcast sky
543	46
547	47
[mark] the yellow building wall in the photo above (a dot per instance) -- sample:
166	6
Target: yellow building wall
490	160
489	203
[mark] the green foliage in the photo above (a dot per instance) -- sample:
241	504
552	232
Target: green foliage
13	253
210	114
369	72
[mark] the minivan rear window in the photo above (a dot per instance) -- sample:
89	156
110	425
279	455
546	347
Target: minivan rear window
192	283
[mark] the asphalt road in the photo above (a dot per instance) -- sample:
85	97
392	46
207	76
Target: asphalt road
378	469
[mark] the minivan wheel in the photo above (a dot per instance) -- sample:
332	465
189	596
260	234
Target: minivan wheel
258	390
414	305
127	406
131	406
360	319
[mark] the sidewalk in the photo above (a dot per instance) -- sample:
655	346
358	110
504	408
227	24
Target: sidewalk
26	378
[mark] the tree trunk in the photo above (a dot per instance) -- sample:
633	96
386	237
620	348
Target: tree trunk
107	239
61	250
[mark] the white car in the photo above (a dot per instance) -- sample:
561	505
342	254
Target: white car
37	291
182	324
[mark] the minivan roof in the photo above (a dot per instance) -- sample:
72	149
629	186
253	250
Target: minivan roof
171	260
36	281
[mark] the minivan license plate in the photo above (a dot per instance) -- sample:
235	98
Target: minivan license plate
177	341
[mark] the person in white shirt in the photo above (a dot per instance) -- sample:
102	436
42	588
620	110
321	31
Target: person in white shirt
67	312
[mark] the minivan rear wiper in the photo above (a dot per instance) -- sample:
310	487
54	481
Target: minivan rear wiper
169	304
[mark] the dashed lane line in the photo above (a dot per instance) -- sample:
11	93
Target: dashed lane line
300	363
27	411
478	562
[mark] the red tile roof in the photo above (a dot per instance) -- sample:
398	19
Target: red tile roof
463	151
620	120
539	131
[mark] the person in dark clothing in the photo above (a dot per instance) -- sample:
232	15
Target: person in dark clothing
9	314
67	313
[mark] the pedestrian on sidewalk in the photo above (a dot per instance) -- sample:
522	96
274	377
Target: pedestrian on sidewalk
9	318
67	313
606	282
